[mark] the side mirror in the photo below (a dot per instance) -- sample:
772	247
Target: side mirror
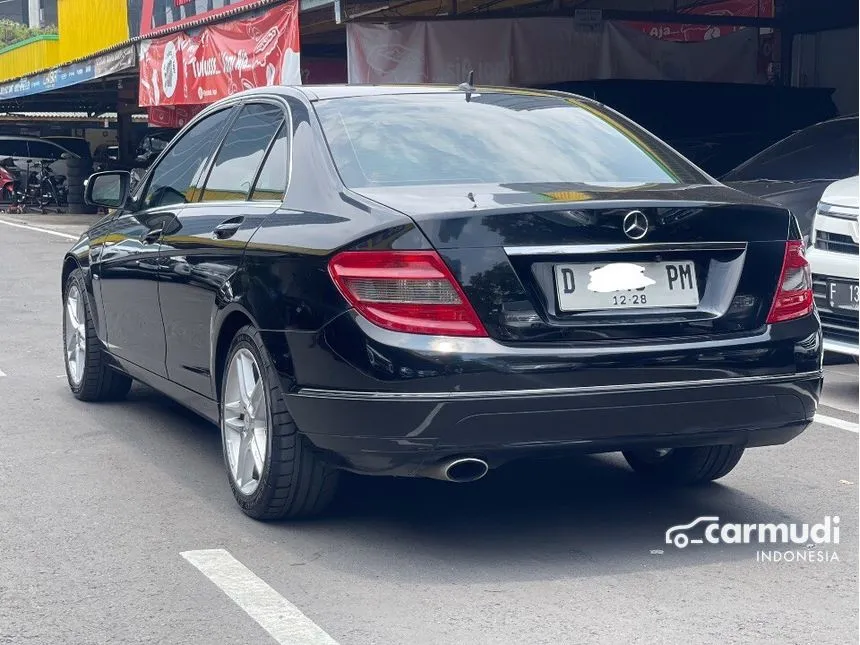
108	189
66	155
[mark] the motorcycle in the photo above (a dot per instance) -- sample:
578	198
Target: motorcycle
7	185
38	187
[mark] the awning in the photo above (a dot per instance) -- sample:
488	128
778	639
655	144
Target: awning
72	74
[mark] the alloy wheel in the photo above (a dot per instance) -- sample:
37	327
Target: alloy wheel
76	334
245	424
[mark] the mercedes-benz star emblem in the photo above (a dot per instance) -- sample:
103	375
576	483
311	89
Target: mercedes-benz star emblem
635	225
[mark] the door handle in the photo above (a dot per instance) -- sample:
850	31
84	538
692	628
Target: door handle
152	236
228	228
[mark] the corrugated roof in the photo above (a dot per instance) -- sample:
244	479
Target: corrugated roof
65	116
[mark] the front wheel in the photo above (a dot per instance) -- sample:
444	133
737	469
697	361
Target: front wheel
684	466
89	375
273	470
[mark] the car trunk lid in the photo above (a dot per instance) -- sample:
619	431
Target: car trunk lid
571	263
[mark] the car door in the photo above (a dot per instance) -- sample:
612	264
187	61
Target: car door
125	256
200	257
49	154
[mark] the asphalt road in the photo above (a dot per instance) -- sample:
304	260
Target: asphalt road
100	500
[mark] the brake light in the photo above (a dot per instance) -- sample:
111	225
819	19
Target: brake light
794	297
409	291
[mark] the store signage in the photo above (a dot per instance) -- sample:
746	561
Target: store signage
221	59
68	75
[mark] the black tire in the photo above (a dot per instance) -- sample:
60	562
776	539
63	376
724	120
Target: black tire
99	381
296	482
685	466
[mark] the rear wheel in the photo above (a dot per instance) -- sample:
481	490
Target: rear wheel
684	466
273	470
89	375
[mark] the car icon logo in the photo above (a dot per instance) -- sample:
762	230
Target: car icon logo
635	225
677	534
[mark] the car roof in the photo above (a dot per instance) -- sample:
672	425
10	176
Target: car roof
19	137
341	91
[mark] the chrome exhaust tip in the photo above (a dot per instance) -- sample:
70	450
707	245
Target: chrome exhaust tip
463	470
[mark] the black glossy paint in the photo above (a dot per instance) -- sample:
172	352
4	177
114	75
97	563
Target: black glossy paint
165	309
800	197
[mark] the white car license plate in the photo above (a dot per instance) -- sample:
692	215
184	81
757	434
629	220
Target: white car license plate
843	295
622	285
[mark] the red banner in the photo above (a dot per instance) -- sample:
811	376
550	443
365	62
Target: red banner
679	32
222	59
170	116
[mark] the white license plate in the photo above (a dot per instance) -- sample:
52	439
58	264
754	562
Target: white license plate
626	285
843	295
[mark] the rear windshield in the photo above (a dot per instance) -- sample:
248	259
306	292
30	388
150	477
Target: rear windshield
494	138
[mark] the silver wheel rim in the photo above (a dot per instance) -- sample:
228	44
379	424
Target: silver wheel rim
76	334
245	424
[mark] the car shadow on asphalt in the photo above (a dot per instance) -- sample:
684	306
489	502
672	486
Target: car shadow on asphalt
578	516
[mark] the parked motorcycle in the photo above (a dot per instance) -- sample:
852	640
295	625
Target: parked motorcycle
37	188
7	185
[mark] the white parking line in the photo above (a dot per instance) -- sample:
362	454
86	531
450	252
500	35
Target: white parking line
40	230
850	426
827	404
274	613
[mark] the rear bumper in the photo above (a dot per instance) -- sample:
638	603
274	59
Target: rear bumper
397	434
503	403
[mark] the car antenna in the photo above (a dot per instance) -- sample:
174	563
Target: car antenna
469	86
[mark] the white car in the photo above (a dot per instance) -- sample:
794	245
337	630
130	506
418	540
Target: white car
835	265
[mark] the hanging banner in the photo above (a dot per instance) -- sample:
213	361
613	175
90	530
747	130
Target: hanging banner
515	52
200	67
687	33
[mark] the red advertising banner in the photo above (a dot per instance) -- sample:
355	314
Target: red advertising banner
219	60
172	116
679	32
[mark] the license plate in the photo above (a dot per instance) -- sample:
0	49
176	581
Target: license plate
843	295
626	285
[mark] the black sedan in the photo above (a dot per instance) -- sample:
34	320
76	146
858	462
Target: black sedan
432	282
795	172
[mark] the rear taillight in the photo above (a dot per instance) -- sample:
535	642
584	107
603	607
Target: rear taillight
794	297
410	291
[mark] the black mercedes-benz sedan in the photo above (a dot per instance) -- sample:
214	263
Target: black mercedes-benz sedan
434	281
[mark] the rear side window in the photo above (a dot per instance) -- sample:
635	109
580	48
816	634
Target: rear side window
497	137
173	179
239	159
44	150
825	151
272	182
13	148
